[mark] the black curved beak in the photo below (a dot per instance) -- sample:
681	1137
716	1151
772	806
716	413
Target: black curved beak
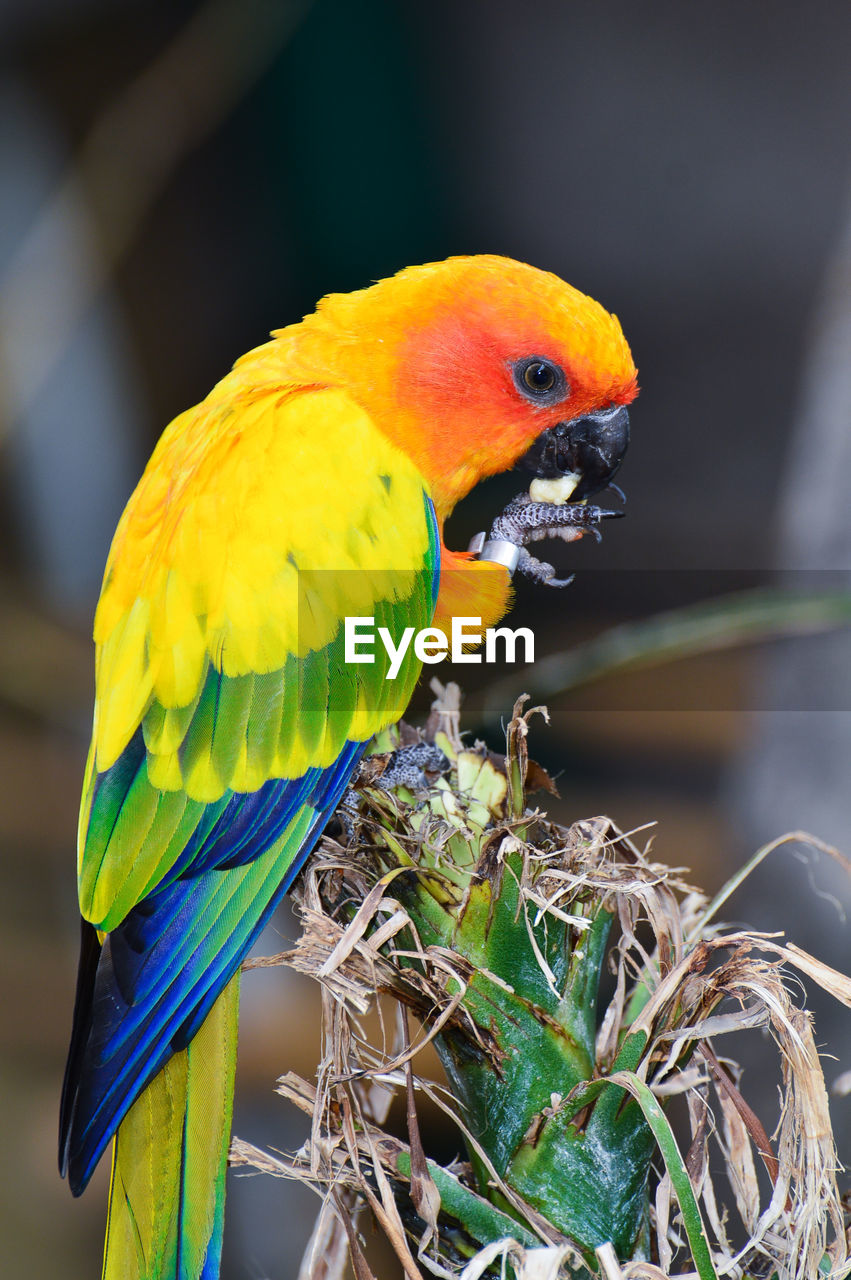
592	447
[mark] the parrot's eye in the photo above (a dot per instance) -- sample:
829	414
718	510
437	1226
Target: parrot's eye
540	380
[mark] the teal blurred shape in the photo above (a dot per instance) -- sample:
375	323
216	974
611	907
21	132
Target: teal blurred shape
352	148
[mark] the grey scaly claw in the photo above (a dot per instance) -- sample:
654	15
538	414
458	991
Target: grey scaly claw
540	571
408	766
524	521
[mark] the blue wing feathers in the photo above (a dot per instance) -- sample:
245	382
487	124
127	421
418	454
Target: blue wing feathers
433	546
163	967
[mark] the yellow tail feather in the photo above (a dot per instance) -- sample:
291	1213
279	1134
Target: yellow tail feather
166	1198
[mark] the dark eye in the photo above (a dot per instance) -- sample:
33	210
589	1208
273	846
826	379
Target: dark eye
539	376
539	379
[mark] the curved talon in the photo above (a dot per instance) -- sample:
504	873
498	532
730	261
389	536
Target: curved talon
540	571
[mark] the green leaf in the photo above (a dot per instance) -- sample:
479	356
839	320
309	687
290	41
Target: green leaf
479	1218
675	1165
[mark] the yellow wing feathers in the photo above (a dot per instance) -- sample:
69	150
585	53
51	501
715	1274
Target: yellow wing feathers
212	560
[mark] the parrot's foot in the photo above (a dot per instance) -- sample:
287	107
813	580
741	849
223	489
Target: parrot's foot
410	766
541	570
524	521
407	767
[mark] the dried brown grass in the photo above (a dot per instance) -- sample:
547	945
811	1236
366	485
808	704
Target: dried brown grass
680	981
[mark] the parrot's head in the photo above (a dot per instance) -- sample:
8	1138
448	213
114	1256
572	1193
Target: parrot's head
476	364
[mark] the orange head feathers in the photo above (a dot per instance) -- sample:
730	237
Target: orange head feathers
445	359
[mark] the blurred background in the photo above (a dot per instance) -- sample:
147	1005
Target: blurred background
177	178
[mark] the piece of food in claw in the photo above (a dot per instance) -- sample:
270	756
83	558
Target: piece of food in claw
557	491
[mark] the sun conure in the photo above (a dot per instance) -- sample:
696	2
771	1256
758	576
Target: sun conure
312	484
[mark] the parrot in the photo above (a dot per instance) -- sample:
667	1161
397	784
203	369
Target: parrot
311	485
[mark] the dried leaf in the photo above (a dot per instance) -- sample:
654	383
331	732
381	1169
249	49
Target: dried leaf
424	1194
677	982
332	1240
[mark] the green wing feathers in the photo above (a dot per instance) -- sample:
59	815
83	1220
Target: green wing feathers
220	626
